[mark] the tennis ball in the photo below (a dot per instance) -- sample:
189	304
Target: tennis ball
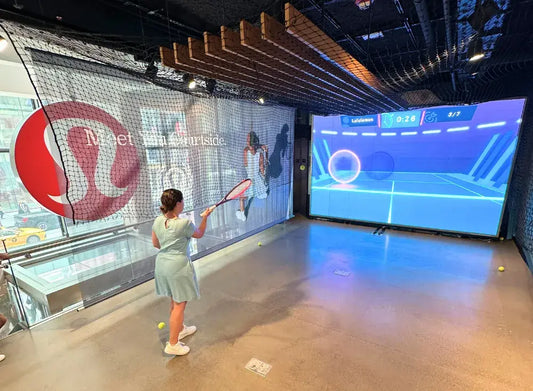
259	244
161	325
501	269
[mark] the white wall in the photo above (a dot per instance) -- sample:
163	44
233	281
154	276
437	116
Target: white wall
13	77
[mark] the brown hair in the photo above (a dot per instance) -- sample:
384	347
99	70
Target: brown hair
169	199
254	139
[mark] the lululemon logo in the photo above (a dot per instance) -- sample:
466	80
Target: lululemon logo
100	159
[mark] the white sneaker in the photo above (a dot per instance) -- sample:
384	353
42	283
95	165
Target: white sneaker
240	215
177	350
187	330
2	357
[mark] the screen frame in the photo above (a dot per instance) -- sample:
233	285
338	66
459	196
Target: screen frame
369	223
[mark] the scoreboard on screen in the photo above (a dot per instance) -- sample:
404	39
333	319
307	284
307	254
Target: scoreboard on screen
412	118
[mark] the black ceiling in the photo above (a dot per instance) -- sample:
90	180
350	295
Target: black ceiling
421	53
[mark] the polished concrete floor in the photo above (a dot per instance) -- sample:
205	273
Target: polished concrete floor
416	312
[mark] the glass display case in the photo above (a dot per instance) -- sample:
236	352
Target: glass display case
77	276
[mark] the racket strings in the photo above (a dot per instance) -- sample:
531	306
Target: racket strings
239	190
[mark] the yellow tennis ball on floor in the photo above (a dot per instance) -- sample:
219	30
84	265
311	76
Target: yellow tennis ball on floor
161	325
259	244
501	268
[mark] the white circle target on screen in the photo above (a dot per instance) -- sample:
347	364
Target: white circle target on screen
344	166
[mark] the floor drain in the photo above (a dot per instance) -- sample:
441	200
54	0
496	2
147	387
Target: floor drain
258	366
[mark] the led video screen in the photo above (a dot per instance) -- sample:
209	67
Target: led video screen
440	168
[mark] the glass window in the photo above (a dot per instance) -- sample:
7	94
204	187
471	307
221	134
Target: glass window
13	111
18	210
23	222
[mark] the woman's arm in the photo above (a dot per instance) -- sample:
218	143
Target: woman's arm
199	232
262	164
265	148
263	159
155	240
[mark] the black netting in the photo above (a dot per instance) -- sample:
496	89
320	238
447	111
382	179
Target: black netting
118	131
426	61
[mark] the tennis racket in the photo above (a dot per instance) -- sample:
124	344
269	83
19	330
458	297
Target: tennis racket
233	194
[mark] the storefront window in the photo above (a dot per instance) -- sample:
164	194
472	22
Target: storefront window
23	221
13	111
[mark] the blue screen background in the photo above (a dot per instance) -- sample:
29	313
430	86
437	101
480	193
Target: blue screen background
443	168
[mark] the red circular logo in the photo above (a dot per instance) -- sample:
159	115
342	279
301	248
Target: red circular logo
89	161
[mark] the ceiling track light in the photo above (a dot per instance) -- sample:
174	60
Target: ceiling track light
475	50
188	79
3	43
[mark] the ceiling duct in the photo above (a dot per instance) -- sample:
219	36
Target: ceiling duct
425	23
483	12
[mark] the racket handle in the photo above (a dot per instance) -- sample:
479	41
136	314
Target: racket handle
211	208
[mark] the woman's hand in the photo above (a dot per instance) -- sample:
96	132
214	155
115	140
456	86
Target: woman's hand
203	224
207	212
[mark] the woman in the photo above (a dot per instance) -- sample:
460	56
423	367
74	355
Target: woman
255	161
174	272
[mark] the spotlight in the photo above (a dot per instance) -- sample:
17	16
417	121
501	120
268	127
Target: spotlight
475	50
363	4
3	43
261	100
189	80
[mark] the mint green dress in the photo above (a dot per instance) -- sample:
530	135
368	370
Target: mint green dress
174	273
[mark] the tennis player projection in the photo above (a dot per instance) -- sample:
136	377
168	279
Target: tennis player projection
443	168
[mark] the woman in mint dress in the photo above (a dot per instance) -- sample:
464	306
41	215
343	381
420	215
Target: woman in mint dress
174	273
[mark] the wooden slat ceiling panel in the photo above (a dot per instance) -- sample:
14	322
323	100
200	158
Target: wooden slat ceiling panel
178	59
286	64
182	59
274	32
251	37
308	33
197	54
212	44
168	59
264	74
231	43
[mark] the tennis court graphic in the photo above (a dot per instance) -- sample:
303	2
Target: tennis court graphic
431	200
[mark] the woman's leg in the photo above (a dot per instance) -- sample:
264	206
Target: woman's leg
176	321
242	200
247	207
